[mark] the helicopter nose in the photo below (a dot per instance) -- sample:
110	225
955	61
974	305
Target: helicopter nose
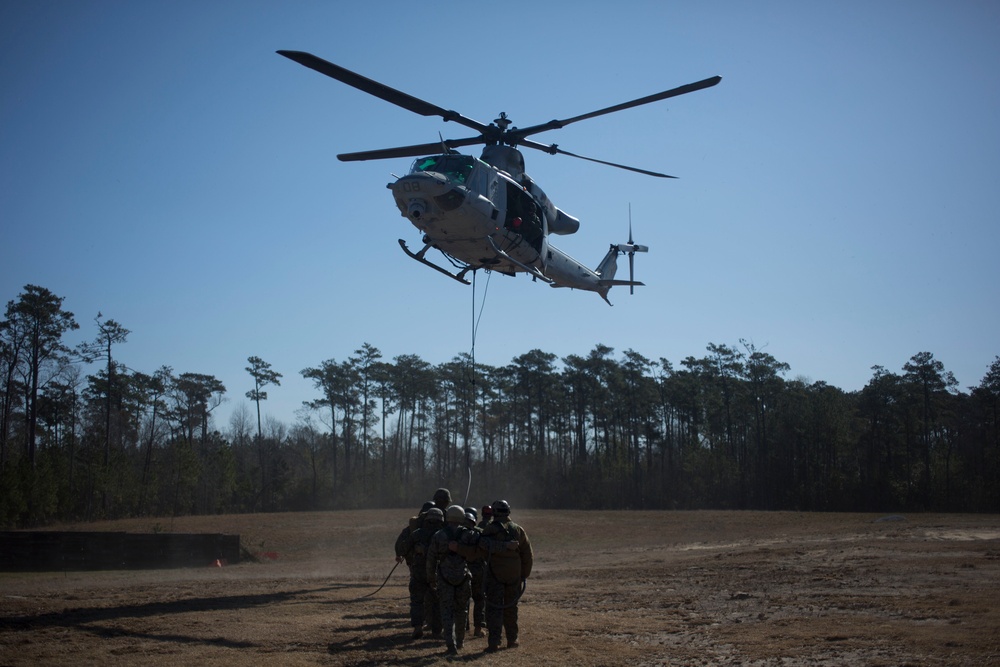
416	209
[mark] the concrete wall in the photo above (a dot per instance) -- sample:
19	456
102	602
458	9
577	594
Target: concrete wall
58	551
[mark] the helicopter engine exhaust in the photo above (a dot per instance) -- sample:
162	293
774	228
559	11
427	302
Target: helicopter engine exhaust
416	209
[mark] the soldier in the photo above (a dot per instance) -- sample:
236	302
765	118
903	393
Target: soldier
487	516
477	567
414	523
446	565
423	599
442	499
507	567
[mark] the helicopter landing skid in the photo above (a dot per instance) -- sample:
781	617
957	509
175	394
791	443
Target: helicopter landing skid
535	273
419	256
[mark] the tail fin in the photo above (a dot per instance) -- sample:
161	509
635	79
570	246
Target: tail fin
609	265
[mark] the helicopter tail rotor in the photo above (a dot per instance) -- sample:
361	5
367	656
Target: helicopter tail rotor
630	249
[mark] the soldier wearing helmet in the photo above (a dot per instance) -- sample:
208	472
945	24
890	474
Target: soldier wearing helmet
424	605
477	567
507	567
448	570
442	499
487	515
413	524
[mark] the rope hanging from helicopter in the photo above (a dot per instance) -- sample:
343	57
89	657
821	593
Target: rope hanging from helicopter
475	320
472	355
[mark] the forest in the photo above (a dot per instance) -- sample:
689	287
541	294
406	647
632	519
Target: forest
726	430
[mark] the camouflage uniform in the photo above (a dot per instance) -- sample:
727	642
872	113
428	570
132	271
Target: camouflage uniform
451	572
508	565
477	568
423	598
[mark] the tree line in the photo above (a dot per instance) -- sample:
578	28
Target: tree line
727	429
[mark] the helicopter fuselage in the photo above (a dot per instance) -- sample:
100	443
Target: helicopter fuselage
482	217
459	205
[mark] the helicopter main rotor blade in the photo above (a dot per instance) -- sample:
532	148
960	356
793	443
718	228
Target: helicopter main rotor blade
553	150
380	90
673	92
408	151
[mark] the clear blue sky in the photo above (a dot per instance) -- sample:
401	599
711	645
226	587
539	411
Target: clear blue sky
838	199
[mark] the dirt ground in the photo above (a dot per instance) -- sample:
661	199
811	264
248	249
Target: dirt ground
608	588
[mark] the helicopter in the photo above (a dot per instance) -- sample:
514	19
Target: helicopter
486	212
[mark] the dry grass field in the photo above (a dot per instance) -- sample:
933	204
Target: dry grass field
609	588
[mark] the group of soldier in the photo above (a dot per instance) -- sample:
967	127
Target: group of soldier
456	559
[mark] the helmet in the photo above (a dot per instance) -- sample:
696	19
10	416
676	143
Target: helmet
487	510
471	518
434	515
501	508
455	514
473	512
442	497
426	506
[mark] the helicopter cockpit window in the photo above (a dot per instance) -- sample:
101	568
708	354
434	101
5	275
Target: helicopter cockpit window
457	168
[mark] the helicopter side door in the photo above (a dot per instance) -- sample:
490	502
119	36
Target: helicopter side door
523	218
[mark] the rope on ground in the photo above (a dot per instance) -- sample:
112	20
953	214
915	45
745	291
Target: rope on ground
383	583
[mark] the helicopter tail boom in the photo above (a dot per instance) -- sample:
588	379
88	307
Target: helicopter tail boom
621	283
